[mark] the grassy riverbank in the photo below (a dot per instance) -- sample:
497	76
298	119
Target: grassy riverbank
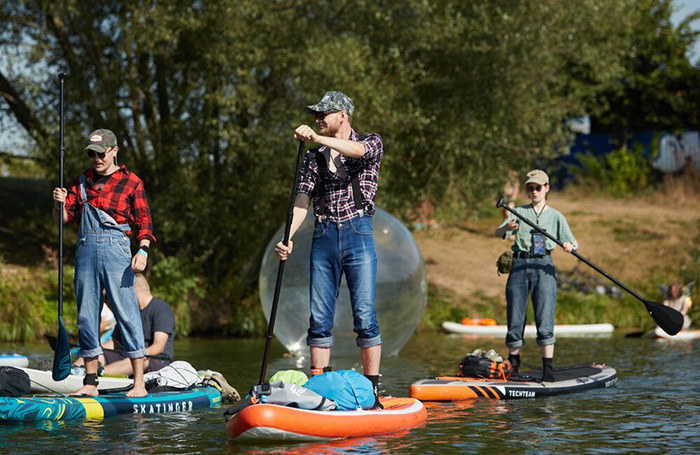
642	242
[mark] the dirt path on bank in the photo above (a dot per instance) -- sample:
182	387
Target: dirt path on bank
631	240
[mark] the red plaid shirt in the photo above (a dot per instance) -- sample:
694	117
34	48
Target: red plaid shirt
122	197
340	205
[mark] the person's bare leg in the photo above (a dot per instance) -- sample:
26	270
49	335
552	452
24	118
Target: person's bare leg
320	357
121	367
90	368
547	351
371	357
79	362
139	389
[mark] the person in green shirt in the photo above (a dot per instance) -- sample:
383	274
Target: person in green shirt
533	274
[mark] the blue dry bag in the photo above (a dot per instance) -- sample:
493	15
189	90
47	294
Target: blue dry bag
348	389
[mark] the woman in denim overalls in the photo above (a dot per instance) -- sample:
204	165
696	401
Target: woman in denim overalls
103	260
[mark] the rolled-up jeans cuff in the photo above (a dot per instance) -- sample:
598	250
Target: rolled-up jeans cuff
515	344
90	353
369	342
546	342
135	354
325	342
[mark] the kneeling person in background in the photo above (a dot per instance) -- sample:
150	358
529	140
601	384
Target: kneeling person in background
158	323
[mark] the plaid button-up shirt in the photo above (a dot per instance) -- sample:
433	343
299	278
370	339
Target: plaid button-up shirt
340	205
122	197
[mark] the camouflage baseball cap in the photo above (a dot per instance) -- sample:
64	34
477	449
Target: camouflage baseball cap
537	176
101	140
333	102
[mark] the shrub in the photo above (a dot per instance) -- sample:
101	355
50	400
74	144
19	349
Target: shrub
172	282
29	302
621	172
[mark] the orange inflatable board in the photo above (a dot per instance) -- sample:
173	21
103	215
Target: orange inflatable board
478	321
274	422
527	385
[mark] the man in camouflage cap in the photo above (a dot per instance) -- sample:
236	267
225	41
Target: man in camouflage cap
341	175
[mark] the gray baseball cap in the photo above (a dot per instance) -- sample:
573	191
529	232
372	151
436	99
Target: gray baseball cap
101	140
333	102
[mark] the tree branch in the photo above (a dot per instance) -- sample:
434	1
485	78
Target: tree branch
22	112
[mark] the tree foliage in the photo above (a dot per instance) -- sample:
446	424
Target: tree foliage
204	97
659	88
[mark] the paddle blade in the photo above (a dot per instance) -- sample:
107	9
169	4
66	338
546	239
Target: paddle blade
670	320
52	341
61	355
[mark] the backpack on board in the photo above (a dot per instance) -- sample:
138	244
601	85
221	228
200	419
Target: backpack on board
485	365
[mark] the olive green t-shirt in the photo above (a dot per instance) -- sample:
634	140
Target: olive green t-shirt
550	220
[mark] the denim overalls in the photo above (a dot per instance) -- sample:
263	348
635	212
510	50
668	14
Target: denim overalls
103	261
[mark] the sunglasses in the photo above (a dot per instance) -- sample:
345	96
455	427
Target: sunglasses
323	115
91	154
531	188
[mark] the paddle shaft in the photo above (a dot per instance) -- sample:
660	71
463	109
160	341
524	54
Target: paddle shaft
280	269
663	315
62	360
61	76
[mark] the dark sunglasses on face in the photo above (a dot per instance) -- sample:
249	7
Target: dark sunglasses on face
91	154
322	115
531	188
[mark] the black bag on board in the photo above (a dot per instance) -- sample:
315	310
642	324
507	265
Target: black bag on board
14	382
485	365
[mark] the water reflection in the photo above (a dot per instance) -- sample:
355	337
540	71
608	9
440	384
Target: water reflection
655	407
393	443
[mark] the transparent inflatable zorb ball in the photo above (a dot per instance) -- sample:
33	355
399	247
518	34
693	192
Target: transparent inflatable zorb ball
401	290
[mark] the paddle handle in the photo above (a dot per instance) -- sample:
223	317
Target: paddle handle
280	268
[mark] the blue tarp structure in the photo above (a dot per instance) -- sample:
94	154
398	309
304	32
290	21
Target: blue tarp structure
600	145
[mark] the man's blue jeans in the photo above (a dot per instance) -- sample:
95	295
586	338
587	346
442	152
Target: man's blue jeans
535	277
343	248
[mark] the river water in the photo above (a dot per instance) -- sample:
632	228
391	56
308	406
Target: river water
654	408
